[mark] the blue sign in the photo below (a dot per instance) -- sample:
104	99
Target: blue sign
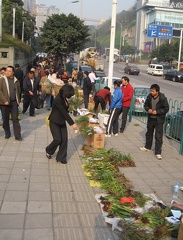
159	31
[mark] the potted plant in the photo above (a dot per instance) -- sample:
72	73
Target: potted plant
88	133
82	121
75	102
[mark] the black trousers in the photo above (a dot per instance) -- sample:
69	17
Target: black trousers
152	125
60	139
13	110
29	101
112	123
125	111
86	100
101	101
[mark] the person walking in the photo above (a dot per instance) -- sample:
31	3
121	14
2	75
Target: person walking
31	88
102	97
93	78
58	118
20	76
157	106
9	102
115	110
127	90
87	87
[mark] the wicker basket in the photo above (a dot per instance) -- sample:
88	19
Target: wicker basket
56	89
46	87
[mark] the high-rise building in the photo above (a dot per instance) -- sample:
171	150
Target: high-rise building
29	5
53	10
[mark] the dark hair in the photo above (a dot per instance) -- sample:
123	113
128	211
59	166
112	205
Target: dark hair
3	68
86	72
107	88
117	82
32	72
156	87
126	78
13	69
17	65
67	91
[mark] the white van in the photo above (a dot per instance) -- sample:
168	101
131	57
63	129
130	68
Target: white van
155	69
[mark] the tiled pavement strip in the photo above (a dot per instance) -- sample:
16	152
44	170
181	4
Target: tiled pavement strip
45	200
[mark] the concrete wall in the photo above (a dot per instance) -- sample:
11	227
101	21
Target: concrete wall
11	56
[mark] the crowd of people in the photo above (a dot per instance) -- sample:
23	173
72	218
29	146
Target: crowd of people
39	81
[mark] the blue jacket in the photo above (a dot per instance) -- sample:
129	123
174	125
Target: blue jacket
117	99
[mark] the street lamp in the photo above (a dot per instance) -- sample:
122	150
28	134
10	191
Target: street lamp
120	40
69	3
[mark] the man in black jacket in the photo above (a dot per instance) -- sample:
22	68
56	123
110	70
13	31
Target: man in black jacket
20	76
87	87
31	90
157	106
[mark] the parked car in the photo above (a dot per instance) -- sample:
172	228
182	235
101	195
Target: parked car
100	74
173	126
167	68
103	82
174	75
74	64
86	68
132	69
139	96
155	69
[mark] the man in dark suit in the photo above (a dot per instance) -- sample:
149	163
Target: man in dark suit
31	90
20	76
87	87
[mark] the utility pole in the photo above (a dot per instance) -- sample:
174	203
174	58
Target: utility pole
0	20
112	42
180	48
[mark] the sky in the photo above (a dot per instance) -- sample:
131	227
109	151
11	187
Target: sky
91	9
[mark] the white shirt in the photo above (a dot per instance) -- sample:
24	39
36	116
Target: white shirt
32	82
92	77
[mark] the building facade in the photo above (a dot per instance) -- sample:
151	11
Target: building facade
162	12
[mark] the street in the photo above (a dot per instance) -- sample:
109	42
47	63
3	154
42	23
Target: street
172	90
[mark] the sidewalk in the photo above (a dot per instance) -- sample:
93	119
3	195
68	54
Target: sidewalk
45	200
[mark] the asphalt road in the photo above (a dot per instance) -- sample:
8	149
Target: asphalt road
172	90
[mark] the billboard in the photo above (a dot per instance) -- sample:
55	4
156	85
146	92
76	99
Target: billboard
159	31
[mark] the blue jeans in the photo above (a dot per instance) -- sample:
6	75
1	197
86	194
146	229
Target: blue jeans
48	101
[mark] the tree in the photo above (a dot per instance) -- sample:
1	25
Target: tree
62	35
166	52
20	17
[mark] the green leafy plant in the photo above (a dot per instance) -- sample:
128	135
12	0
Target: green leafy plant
87	132
82	121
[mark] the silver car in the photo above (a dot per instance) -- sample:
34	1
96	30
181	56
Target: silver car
140	94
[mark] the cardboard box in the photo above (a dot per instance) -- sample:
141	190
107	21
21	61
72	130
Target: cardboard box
103	119
99	140
91	106
180	235
90	99
80	92
93	125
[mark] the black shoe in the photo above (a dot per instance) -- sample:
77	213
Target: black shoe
63	162
121	130
7	137
48	156
19	138
32	115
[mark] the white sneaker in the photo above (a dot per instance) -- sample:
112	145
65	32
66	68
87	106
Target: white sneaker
143	149
107	135
116	134
158	156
